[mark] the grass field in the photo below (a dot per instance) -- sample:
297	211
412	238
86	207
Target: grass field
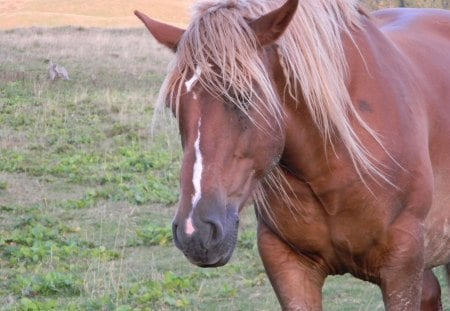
87	191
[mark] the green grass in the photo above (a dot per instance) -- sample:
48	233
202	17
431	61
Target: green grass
87	190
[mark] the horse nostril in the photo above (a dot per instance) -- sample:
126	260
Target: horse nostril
216	234
174	233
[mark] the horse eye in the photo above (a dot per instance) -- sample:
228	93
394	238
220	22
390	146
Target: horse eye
242	102
238	101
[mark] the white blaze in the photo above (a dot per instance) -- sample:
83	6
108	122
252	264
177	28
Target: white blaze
198	170
191	82
196	181
189	226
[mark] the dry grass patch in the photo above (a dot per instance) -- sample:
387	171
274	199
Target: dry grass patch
116	13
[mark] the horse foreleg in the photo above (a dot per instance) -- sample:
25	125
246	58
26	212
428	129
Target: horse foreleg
402	272
431	293
297	284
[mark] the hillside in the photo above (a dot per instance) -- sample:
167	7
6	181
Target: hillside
119	13
100	13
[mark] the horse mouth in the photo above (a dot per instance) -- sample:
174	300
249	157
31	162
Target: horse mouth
213	256
219	263
212	263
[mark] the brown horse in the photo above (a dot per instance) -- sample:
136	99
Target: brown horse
336	123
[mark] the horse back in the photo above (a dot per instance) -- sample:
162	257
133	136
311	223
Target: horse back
422	37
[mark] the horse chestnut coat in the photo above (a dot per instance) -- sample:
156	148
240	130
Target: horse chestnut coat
335	122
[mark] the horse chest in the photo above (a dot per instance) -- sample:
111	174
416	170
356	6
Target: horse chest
343	240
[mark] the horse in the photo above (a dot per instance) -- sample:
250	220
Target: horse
334	122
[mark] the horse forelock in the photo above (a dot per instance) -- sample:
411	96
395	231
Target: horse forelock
220	42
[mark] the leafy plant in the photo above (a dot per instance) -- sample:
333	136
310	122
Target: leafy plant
38	237
170	291
48	284
247	239
27	304
155	235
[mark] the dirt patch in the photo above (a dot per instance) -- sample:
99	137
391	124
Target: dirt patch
12	76
24	190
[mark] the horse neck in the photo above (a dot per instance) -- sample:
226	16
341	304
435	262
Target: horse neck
307	154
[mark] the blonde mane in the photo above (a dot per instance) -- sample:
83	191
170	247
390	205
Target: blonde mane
311	52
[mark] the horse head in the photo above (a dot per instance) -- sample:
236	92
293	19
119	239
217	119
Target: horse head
231	122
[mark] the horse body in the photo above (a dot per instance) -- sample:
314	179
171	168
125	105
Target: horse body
342	225
322	212
423	35
419	34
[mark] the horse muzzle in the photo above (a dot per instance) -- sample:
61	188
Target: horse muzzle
207	240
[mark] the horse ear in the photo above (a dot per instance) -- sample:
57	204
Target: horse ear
271	26
165	34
